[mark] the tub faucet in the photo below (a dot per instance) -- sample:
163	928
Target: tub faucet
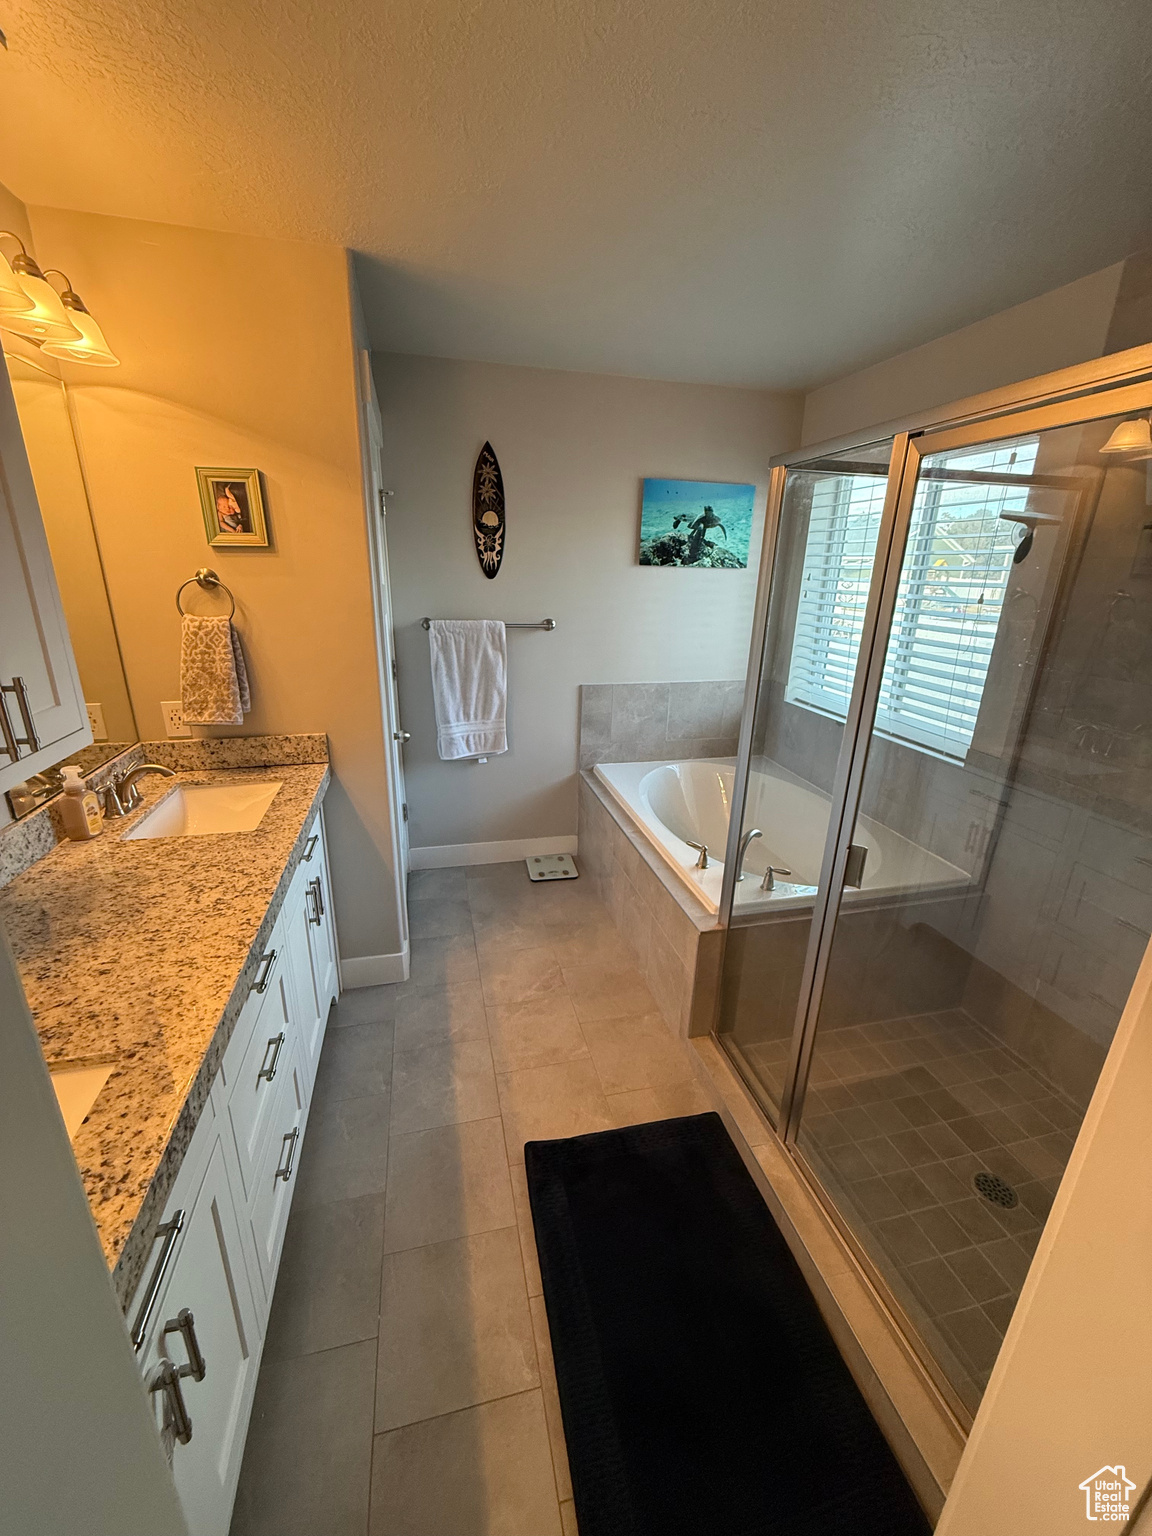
122	796
769	881
702	861
744	841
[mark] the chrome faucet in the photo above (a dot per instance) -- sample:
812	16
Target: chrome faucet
122	796
769	881
702	861
743	849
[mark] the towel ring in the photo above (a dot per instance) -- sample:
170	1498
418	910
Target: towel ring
207	579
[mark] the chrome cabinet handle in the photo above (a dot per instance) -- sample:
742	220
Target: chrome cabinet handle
316	913
268	1068
319	884
401	735
185	1325
6	731
166	1378
266	963
169	1231
31	739
310	847
285	1169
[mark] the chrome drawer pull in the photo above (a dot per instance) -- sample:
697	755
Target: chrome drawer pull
320	894
315	916
169	1231
166	1378
268	1068
285	1169
310	847
20	688
185	1325
266	963
10	745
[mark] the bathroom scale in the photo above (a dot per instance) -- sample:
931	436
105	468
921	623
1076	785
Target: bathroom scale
552	866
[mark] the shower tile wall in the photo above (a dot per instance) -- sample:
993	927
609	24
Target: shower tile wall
640	722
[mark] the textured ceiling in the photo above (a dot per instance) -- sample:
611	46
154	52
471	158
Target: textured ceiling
747	191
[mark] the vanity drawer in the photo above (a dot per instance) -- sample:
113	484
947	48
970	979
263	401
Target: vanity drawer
275	1174
254	1077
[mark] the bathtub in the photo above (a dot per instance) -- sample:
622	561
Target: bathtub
673	804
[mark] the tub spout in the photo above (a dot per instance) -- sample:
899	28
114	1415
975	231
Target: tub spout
744	841
702	861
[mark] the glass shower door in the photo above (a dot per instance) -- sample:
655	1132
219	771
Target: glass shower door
831	514
997	899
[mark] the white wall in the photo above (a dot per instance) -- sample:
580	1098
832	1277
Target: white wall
1068	325
573	449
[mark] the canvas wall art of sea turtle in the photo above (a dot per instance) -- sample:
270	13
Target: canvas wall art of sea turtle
702	524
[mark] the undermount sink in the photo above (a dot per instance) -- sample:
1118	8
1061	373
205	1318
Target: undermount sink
195	810
77	1089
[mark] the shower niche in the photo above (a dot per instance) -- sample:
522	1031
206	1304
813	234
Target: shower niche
953	658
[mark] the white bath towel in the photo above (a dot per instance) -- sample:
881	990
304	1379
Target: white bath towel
213	677
469	686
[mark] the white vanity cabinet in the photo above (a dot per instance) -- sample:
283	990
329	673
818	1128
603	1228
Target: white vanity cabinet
207	1289
42	711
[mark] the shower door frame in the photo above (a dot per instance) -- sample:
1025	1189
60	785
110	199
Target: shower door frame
1117	385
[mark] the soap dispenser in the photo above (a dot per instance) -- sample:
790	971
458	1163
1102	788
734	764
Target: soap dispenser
79	807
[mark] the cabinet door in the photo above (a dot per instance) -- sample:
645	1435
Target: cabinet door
321	929
253	1083
208	1281
311	1004
271	1196
34	641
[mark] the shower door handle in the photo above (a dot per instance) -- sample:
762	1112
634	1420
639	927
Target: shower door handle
854	868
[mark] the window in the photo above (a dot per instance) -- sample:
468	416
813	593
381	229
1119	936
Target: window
961	541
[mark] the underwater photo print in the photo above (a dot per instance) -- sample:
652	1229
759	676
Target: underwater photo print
699	523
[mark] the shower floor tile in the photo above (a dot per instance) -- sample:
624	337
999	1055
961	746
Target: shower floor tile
900	1116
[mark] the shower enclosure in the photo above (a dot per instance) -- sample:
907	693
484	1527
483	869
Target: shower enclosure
952	660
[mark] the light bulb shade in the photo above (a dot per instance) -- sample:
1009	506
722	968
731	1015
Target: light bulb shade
1130	437
13	299
47	320
91	346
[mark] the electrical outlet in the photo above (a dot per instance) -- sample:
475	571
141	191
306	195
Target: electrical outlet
173	713
96	721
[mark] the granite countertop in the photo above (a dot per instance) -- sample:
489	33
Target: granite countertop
133	953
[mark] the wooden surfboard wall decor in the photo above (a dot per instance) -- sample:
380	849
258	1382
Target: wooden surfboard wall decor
488	511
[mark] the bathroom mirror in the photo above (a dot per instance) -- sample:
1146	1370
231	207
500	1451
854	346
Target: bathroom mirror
57	469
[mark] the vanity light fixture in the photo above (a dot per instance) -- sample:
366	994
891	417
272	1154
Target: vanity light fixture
91	346
13	299
47	319
1131	437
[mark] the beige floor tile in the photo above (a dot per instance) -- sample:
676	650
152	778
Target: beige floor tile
355	1060
526	1229
345	1151
568	1519
512	975
513	923
641	1105
365	1005
440	919
551	1397
437	884
485	1471
454	1328
441	1013
541	1103
442	962
328	1285
639	1052
447	1182
535	1033
442	1083
598	993
561	904
591	942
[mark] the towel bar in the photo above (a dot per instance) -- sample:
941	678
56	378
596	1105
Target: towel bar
207	579
537	624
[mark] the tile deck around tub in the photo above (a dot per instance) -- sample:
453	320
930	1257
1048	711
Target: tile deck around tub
899	1117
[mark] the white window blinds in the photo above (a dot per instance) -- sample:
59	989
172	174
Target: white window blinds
956	566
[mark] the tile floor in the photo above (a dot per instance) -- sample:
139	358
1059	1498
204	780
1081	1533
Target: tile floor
900	1116
407	1385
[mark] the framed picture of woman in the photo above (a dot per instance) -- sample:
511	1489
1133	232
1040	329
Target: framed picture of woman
233	507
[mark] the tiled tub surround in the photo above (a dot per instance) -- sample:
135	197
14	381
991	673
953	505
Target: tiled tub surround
141	953
639	722
675	940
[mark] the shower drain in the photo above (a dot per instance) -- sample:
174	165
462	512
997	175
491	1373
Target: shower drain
996	1190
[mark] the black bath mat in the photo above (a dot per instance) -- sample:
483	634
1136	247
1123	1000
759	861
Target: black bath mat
701	1392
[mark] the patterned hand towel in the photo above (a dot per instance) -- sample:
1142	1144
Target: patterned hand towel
213	677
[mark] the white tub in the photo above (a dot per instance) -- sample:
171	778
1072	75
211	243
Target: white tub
674	804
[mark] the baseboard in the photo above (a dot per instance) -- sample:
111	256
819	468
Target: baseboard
448	855
373	970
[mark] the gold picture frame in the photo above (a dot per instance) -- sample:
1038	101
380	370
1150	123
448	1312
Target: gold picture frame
233	508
